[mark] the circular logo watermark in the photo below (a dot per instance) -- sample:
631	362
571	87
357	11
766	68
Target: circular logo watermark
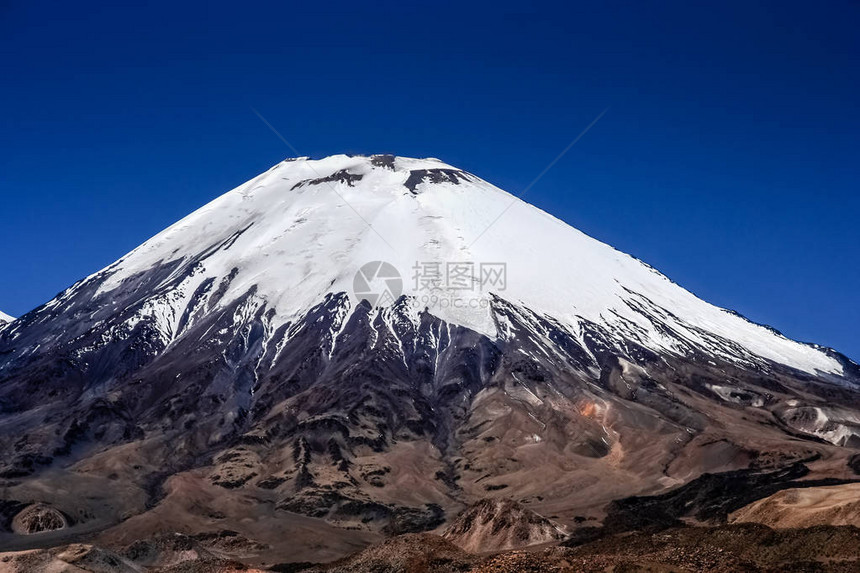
378	283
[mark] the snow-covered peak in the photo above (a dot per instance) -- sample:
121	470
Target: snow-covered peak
305	228
4	318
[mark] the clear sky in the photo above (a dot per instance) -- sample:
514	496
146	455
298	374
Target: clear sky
728	158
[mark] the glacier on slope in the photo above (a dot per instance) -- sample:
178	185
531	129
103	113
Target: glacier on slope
303	228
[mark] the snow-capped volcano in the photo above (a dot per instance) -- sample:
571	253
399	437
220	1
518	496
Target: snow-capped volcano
5	317
364	345
304	228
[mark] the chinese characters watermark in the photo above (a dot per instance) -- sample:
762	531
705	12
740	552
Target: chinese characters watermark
459	276
435	284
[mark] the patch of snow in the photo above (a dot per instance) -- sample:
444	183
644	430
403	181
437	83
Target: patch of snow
836	425
732	394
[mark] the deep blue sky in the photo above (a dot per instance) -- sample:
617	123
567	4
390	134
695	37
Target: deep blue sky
728	159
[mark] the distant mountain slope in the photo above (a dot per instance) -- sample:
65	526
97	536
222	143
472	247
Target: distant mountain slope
808	507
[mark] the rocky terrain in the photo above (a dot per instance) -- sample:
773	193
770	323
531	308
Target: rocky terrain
494	525
750	548
223	388
722	549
